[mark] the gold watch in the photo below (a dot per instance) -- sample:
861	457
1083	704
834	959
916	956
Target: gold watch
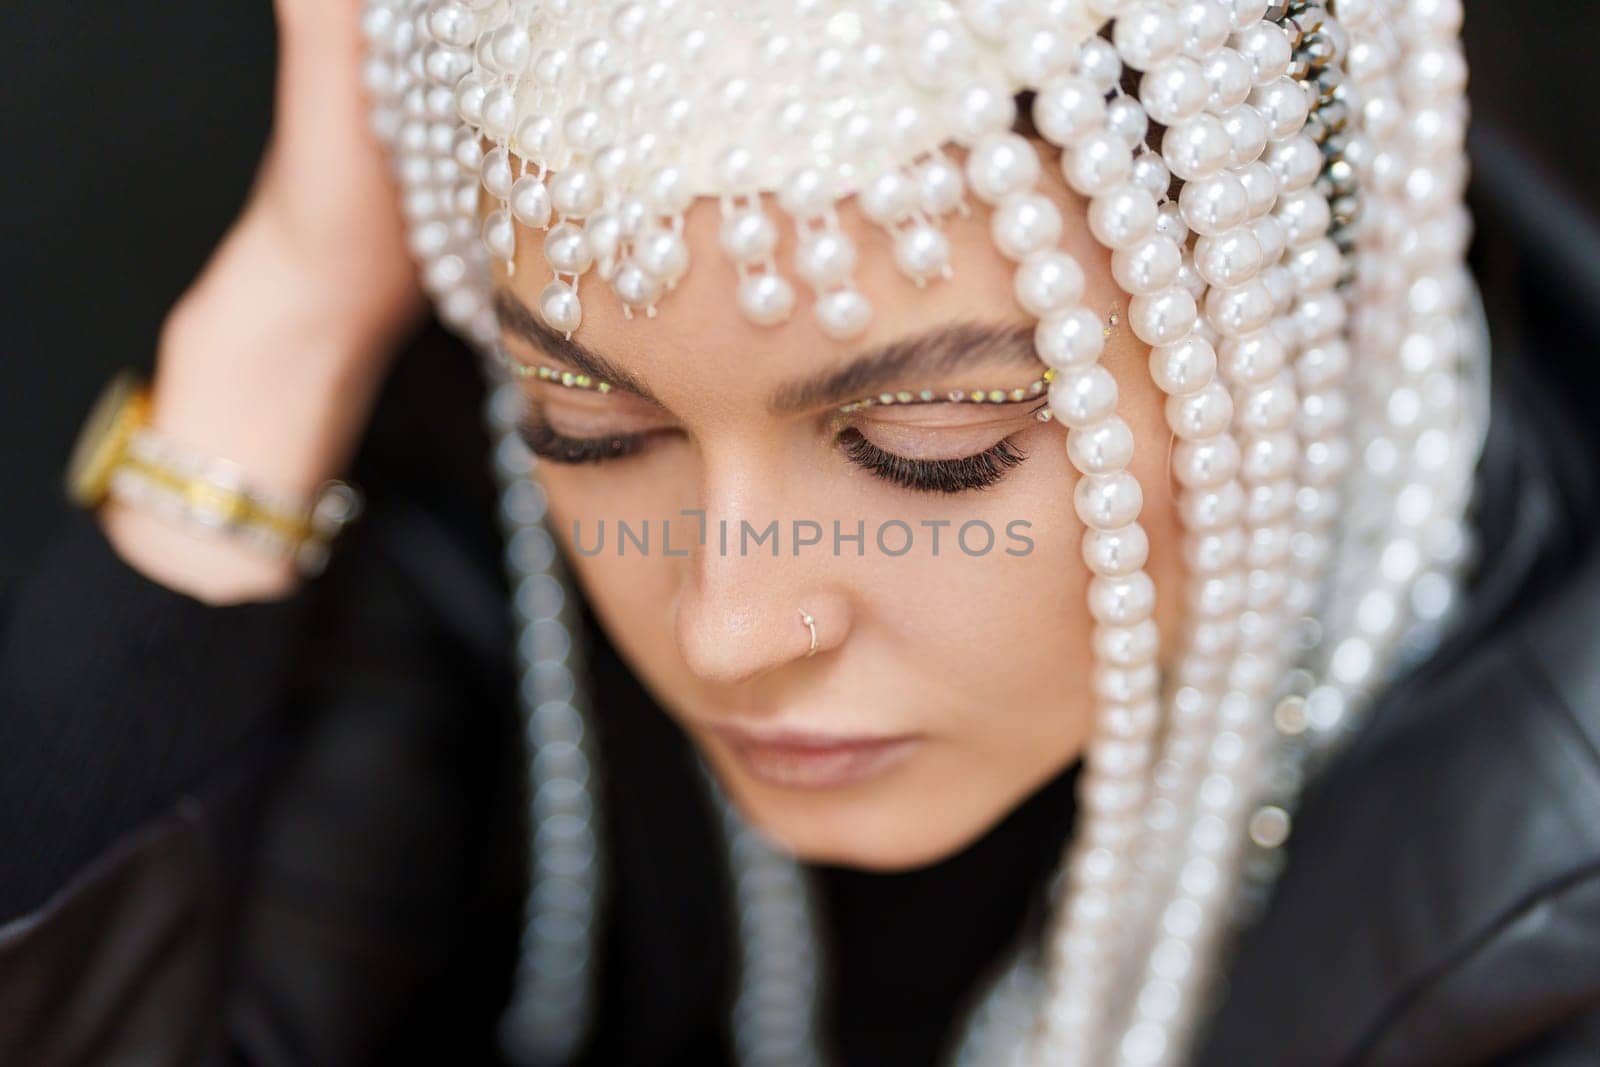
119	456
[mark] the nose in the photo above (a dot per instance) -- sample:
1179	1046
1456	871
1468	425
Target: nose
741	611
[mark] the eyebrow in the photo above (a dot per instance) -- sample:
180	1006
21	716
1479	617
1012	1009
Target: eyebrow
516	317
937	351
940	350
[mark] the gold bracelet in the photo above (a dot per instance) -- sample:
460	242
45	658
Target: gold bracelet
119	456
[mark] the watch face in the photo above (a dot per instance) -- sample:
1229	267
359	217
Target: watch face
101	441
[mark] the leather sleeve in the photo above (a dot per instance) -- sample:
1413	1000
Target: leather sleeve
314	860
117	694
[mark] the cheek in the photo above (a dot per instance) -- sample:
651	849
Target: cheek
630	591
1003	637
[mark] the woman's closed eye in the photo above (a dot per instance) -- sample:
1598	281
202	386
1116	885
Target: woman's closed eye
910	443
944	476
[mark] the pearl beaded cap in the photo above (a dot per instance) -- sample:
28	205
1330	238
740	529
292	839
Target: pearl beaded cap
1279	184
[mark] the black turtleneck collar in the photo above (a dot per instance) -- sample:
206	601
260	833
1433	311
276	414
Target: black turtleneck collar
908	949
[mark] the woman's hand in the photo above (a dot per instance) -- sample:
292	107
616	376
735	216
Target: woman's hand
275	355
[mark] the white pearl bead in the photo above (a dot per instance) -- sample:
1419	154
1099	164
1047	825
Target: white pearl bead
1127	646
1048	281
603	231
1083	396
1295	160
1214	203
736	167
1034	53
468	151
667	191
1249	12
766	299
585	129
1173	90
1122	216
500	235
574	192
1171	224
1107	501
1316	266
1150	173
1305	216
497	173
1240	310
1025	224
1164	317
635	286
533	136
825	259
1120	601
1002	164
1104	447
1116	553
560	308
1099	62
664	254
499	112
921	252
1267	458
940	186
1202	414
1099	162
1229	77
1267	48
1229	259
1183	367
1206	552
1283	105
453	24
889	198
1247	133
979	109
550	66
1268	407
1271	235
1211	509
843	314
611	164
530	202
1260	187
1252	357
1147	266
1206	26
567	250
1125	117
989	19
1197	146
748	236
1071	339
1145	34
1205	464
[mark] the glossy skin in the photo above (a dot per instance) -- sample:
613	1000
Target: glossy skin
983	658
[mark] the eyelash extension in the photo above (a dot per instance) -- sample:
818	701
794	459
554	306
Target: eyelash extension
946	476
546	443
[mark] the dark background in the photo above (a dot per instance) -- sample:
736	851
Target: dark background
130	131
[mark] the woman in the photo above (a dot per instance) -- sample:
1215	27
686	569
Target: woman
291	836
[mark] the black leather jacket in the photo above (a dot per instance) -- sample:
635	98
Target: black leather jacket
287	833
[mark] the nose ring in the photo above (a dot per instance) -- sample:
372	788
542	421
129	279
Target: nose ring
810	624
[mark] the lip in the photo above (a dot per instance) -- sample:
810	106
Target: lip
807	759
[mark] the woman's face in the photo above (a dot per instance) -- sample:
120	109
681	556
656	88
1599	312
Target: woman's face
952	674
